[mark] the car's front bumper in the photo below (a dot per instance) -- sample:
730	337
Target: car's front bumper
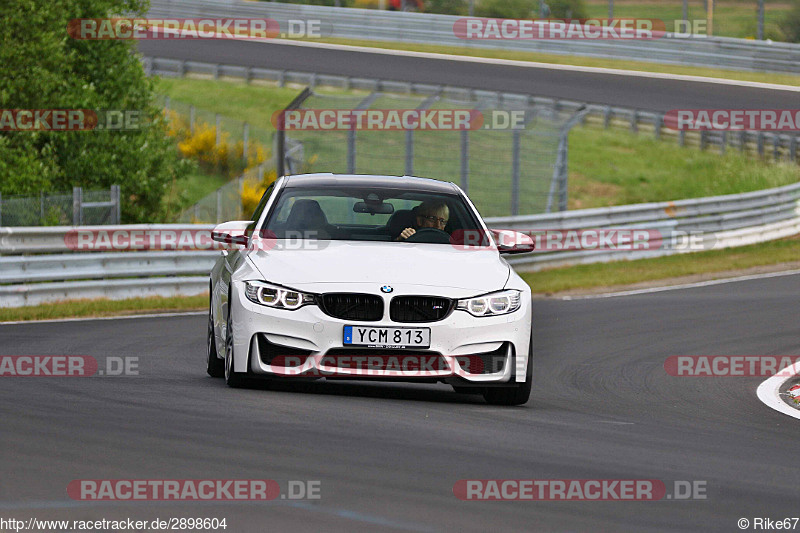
311	336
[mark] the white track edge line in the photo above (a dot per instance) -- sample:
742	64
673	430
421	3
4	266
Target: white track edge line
768	391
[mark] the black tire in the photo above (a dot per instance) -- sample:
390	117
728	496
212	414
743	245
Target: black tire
215	367
232	378
519	393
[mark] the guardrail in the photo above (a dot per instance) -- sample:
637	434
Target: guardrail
778	146
426	28
714	223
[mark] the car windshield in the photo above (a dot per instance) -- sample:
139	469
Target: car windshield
369	214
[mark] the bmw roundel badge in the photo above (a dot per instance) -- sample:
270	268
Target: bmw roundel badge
387	289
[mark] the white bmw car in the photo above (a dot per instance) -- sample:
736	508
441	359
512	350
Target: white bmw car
370	277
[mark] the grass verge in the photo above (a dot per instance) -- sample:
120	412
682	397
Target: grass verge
101	307
607	167
623	273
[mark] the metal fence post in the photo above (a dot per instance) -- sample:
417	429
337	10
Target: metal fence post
682	137
116	211
760	141
280	149
465	160
192	118
239	207
659	123
723	145
218	120
77	206
219	206
776	145
409	152
515	139
760	20
245	139
351	151
563	178
793	149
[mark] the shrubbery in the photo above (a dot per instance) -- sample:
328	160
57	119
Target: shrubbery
508	9
789	25
574	9
42	68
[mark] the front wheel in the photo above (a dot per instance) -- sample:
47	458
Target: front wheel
215	367
517	394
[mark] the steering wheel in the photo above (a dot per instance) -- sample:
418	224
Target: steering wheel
430	235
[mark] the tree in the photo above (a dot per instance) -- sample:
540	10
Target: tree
41	67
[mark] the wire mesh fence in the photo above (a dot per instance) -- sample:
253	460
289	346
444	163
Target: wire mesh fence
221	145
506	159
226	203
62	209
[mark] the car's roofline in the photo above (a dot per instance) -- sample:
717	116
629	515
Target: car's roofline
369	180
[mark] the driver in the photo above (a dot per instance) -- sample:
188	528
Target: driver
429	214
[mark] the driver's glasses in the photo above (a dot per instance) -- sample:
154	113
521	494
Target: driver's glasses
435	220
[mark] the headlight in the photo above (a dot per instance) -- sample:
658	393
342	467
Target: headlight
278	297
496	303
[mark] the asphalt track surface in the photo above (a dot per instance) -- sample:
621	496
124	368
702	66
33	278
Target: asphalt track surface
600	88
388	455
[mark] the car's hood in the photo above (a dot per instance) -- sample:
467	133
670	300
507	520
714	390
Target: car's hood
401	265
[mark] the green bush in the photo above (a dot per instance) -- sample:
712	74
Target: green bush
575	9
41	67
447	7
789	25
508	9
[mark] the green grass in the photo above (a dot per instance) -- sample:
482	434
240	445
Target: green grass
254	103
191	189
616	167
628	272
101	307
731	19
557	59
607	167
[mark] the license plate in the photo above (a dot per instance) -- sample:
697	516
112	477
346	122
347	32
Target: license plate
387	337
